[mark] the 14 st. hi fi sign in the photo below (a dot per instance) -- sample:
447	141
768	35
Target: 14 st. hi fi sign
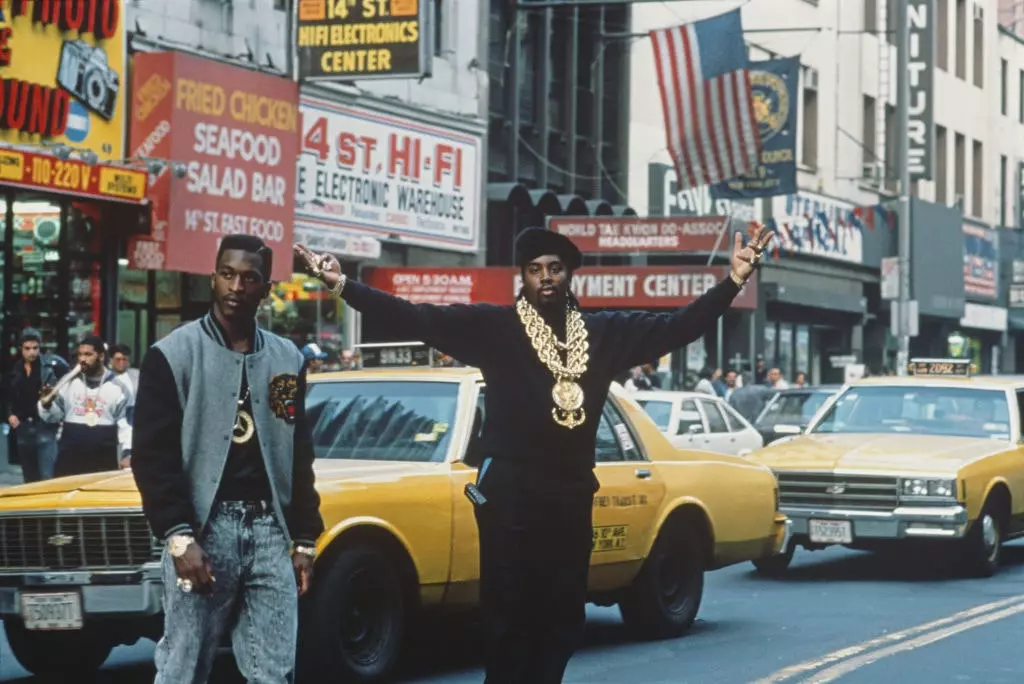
344	40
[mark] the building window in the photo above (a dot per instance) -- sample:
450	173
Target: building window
941	166
1003	163
1004	85
977	178
281	5
810	126
942	35
1020	96
438	28
892	149
868	134
961	39
979	46
959	170
871	16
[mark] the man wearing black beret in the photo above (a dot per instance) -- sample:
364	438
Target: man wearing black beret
548	367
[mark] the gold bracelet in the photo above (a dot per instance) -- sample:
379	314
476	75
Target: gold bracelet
339	286
740	282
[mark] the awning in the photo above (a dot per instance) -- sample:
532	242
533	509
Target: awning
546	203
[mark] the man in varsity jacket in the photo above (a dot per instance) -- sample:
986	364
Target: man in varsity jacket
93	406
223	459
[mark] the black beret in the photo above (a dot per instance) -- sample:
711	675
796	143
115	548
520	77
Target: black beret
536	242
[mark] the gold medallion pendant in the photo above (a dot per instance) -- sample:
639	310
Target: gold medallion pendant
91	419
244	427
567	394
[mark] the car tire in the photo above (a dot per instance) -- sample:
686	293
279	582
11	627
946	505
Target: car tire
983	544
356	622
64	655
664	599
775	566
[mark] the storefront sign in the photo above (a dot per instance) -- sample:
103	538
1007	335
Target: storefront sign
235	131
71	176
984	317
819	226
373	173
344	40
639	287
623	235
667	199
921	17
981	261
61	74
342	244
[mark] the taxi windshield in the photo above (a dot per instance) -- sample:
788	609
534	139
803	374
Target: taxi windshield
796	408
382	420
659	411
948	411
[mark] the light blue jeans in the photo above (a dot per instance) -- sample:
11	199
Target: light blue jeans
255	600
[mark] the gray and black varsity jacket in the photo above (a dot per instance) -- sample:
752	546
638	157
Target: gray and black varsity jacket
184	416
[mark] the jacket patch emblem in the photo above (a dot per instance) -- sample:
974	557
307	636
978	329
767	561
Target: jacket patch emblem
284	390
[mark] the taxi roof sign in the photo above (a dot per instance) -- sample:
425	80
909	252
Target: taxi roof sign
941	367
394	354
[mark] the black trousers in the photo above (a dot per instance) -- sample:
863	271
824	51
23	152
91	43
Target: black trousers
535	540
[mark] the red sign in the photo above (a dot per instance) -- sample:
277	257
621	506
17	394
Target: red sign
597	287
626	234
71	176
235	133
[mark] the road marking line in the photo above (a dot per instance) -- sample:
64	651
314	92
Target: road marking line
836	671
857	649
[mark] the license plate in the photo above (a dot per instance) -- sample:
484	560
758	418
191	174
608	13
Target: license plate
52	611
831	531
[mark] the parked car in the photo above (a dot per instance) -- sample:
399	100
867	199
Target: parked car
789	411
80	570
694	420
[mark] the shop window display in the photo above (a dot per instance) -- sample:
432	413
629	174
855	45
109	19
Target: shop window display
302	310
35	287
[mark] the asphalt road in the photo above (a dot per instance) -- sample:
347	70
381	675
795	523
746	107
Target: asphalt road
837	615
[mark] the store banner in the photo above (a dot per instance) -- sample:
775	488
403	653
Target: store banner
981	261
232	135
774	85
817	225
62	67
72	177
345	40
619	235
634	287
373	173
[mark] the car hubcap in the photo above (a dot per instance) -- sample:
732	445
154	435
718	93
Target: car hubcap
990	536
676	579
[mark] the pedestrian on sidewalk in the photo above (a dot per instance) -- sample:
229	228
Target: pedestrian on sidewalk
35	439
224	463
548	367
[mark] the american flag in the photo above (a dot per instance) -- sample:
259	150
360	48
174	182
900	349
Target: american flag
704	79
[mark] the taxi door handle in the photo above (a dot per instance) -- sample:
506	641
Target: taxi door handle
643	473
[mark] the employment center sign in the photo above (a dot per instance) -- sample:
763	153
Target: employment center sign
235	131
61	67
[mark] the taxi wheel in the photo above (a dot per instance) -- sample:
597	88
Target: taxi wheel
357	620
984	544
78	652
664	599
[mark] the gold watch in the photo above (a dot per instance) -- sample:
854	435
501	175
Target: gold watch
740	282
178	544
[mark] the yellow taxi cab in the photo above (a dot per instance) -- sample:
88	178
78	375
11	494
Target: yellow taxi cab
80	573
932	457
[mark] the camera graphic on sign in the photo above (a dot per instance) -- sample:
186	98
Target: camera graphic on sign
84	73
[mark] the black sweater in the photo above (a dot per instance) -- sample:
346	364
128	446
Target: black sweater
518	402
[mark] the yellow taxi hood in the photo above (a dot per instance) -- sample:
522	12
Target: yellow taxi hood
877	452
115	481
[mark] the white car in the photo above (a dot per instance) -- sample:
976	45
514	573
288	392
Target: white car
693	420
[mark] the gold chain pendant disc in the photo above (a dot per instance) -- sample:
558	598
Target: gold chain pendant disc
244	427
567	395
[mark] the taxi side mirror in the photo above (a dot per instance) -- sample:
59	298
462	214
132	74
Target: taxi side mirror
696	429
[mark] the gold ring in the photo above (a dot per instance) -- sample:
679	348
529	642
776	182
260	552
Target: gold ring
185	585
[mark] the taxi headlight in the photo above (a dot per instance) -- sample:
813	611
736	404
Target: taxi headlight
945	489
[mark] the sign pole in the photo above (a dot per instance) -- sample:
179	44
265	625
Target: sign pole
903	223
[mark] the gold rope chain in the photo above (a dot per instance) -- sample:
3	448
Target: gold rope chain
567	395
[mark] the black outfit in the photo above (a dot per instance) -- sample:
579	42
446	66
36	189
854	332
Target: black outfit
33	436
535	529
245	473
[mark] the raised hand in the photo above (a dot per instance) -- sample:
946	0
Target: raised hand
322	266
746	258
